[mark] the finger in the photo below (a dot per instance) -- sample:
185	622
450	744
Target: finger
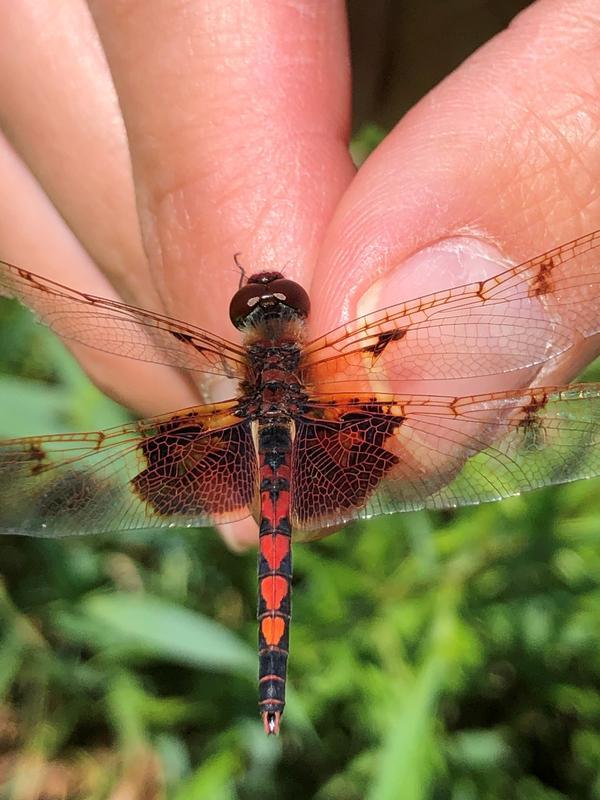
495	165
149	388
237	118
59	110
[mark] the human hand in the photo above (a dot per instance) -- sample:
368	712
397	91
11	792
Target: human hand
237	122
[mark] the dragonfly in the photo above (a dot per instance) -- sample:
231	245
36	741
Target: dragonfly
321	430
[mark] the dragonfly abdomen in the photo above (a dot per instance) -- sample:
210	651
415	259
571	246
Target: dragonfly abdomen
274	568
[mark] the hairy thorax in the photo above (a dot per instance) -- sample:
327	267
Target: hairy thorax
271	388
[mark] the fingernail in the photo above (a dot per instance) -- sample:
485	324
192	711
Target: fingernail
445	264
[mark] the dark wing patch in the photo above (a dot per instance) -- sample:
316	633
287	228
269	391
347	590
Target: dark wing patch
193	470
340	459
377	348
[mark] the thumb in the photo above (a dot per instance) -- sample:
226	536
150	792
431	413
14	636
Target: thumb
497	164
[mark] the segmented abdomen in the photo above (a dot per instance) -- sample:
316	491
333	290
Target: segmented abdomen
274	569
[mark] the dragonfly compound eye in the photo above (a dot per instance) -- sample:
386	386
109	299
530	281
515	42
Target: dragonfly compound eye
267	291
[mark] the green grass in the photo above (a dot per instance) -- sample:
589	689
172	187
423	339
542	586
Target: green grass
433	656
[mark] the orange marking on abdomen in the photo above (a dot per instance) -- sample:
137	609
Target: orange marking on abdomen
272	629
273	588
274	548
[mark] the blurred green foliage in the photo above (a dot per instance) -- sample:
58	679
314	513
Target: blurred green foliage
433	656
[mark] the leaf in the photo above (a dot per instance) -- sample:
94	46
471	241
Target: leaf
410	751
213	779
30	407
171	632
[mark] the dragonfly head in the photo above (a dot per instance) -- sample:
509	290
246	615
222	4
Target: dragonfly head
267	295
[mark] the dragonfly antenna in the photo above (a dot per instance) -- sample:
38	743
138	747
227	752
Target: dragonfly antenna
241	269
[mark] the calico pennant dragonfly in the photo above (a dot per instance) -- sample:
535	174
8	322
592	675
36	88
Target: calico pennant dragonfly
323	430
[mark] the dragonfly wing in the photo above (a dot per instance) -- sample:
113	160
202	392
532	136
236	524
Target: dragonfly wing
193	468
510	323
119	328
362	456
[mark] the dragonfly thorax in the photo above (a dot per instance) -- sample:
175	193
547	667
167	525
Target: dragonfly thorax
272	385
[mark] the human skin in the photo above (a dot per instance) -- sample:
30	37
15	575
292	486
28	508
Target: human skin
230	135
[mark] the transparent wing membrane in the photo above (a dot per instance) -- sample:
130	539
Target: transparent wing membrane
119	328
519	319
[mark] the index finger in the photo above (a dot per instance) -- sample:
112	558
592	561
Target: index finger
238	119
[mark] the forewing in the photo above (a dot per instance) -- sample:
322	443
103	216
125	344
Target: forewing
195	467
121	329
358	457
521	318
